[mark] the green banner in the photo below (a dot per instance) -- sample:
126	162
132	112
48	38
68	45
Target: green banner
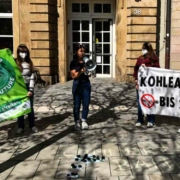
13	92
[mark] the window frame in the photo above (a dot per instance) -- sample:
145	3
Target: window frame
8	16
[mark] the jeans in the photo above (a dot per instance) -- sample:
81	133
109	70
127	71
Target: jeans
81	93
150	118
30	115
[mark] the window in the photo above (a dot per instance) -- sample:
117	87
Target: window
102	8
6	29
80	7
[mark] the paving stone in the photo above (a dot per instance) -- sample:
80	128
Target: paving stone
24	170
150	148
135	177
159	177
168	164
119	166
107	178
143	165
169	146
99	169
47	169
28	151
6	151
129	149
93	149
47	152
175	176
65	168
8	166
67	151
110	150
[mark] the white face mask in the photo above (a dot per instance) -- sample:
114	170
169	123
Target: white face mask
144	51
22	55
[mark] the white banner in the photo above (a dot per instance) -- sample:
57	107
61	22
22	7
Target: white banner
159	91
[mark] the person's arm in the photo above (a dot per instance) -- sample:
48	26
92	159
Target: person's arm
136	68
75	74
76	70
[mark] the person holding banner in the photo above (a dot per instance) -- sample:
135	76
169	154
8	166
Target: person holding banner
26	67
148	59
81	89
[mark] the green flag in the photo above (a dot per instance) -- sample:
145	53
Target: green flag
13	92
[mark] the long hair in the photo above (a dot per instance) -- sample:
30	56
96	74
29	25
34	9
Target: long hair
77	47
19	60
150	50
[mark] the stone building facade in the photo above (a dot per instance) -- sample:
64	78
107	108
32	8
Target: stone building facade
112	30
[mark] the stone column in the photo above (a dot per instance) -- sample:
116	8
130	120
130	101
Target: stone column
16	33
62	41
121	40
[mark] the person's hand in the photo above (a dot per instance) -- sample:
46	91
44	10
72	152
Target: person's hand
136	84
83	70
143	65
29	94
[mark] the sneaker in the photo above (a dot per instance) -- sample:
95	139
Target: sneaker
178	131
150	124
138	124
20	130
84	125
34	129
77	126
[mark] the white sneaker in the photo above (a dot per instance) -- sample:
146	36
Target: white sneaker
178	131
20	130
138	124
77	126
150	124
34	129
84	125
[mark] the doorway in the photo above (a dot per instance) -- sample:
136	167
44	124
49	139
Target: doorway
92	24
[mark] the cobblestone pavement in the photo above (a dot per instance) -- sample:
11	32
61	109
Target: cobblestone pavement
131	153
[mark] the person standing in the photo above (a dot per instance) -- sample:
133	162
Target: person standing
26	67
81	88
148	59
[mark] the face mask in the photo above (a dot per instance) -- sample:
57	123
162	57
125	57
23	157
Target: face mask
22	55
144	51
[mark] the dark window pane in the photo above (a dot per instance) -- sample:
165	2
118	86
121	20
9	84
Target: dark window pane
75	7
106	37
106	59
98	48
6	43
85	37
5	6
76	36
98	8
85	25
74	47
85	7
76	25
106	26
106	48
106	69
106	8
6	26
98	26
87	47
98	37
99	69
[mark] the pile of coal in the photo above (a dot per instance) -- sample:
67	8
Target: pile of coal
89	158
73	175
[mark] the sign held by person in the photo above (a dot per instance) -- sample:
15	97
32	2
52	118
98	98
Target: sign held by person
13	93
159	91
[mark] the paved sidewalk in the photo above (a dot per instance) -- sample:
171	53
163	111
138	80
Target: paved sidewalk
131	153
